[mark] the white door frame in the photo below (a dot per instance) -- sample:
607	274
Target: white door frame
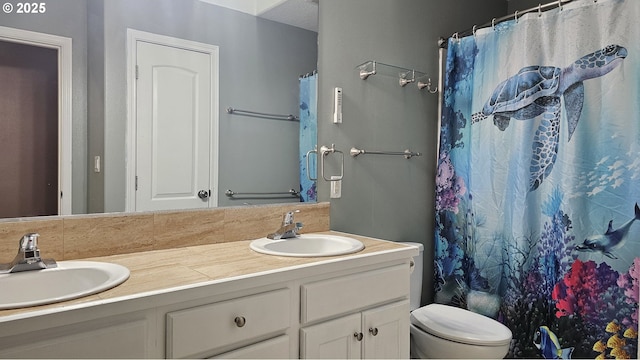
64	46
134	36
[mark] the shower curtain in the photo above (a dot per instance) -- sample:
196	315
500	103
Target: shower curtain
308	136
538	180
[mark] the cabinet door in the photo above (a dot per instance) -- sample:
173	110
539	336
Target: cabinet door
335	339
386	332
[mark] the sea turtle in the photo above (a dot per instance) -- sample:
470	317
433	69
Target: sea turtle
536	90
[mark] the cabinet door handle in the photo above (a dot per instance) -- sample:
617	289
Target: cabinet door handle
373	331
240	321
358	336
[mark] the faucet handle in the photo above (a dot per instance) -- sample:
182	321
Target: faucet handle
29	246
288	217
29	241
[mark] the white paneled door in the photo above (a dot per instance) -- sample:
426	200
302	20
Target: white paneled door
175	148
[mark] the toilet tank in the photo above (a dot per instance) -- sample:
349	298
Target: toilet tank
416	277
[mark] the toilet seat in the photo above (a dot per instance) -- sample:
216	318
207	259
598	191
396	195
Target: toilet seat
459	325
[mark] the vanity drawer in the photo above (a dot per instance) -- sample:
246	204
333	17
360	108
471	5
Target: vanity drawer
277	348
327	298
197	331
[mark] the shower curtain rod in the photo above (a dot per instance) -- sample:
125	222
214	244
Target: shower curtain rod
515	15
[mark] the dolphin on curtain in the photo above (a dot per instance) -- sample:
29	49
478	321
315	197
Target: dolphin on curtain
610	240
537	90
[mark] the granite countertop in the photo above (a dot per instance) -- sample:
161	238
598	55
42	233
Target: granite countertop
163	270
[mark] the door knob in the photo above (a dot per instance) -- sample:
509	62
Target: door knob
204	194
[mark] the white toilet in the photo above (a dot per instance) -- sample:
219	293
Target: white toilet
447	332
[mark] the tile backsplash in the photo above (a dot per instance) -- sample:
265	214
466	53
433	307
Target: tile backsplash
80	236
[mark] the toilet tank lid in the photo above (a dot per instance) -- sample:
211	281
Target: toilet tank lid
460	325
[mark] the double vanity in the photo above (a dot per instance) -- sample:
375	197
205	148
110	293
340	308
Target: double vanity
232	300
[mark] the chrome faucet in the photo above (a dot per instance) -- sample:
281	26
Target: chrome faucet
288	229
28	257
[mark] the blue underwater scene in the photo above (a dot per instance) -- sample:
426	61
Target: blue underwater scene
538	181
308	136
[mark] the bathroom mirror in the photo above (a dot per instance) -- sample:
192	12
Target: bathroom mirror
260	62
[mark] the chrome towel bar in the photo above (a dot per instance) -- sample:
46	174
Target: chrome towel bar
408	154
289	117
291	192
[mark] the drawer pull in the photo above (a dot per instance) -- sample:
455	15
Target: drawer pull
373	331
358	336
240	321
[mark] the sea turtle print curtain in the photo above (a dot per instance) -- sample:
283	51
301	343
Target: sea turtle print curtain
538	180
308	136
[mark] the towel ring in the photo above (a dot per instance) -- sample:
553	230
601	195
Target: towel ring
324	151
313	151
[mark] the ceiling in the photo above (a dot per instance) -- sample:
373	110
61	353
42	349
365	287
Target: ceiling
298	13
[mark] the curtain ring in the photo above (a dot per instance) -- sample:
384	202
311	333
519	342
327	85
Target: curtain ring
560	4
475	28
456	37
493	24
515	16
539	10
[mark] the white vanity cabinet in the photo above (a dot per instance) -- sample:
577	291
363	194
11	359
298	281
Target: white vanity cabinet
351	307
363	315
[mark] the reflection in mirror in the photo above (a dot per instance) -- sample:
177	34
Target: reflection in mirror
260	62
28	105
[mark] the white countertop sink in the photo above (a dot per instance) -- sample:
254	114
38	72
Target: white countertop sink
69	280
308	245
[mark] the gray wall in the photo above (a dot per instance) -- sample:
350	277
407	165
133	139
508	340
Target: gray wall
67	18
260	62
387	197
523	5
95	103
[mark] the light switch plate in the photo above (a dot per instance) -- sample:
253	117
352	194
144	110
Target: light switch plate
336	188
